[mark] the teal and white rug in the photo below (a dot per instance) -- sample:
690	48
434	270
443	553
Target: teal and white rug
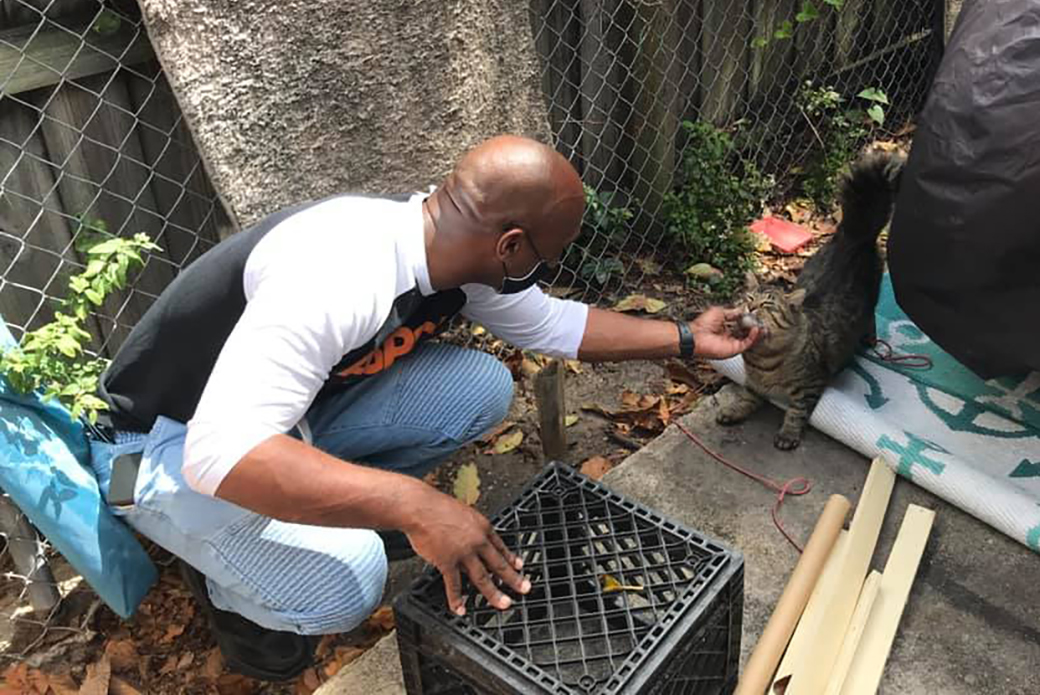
974	443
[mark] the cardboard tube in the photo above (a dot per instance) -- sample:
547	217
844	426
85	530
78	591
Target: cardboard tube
765	658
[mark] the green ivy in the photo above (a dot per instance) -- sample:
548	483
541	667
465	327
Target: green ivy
52	359
604	227
719	196
838	132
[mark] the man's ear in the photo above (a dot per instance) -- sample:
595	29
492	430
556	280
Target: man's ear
509	243
796	297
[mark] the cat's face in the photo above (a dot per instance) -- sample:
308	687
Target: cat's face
778	311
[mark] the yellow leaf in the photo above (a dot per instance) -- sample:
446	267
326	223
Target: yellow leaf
467	484
611	585
478	330
570	420
508	442
640	302
596	467
574	366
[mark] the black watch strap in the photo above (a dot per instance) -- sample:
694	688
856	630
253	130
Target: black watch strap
686	344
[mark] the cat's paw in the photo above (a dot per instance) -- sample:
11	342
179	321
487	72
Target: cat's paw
786	442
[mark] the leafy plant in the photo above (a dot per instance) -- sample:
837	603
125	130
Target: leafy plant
52	359
839	131
605	225
720	194
807	13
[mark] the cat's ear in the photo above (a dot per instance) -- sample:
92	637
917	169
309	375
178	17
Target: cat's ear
796	297
751	281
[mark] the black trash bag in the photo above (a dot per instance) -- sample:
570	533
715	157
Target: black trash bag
964	244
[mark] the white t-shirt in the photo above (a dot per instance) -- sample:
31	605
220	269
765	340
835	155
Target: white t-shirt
340	290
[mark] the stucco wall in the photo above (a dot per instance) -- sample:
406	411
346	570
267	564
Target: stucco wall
292	100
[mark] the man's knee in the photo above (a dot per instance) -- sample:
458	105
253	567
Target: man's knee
492	394
348	593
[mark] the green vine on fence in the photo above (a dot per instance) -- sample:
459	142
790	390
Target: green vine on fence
807	13
53	358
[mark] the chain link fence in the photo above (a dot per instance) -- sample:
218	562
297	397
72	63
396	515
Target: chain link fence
92	143
780	79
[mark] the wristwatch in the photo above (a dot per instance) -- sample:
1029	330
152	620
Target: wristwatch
686	343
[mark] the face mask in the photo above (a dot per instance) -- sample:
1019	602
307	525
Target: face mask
514	285
539	272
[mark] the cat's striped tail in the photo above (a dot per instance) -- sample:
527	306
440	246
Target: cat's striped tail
867	195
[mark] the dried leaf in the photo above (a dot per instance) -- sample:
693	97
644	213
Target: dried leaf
169	666
497	432
679	372
172	631
640	302
467	484
596	467
703	271
122	654
118	686
186	660
648	266
611	585
345	655
214	664
98	678
382	619
477	330
570	420
63	684
529	367
509	441
235	684
308	682
574	366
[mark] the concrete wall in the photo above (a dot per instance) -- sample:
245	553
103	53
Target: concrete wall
290	100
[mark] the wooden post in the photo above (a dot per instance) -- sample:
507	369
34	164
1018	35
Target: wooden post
548	392
27	552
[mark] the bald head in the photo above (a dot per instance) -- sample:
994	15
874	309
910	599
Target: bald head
508	203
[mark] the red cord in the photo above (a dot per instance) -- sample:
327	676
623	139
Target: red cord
795	486
910	361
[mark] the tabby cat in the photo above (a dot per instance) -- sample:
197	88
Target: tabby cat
812	332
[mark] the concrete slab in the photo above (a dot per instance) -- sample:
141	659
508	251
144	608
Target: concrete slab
972	624
973	621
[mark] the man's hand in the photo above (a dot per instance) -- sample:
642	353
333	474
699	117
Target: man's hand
455	538
712	338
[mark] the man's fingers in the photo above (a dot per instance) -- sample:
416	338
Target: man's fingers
734	313
497	563
481	578
511	557
453	590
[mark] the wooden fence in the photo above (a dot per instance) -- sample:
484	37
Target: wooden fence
91	137
620	75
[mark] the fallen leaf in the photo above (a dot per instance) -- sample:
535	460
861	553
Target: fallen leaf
467	484
703	271
497	432
99	676
679	372
345	654
507	442
214	664
529	367
118	686
574	366
185	661
382	619
596	467
308	682
798	213
169	666
173	631
611	585
640	302
122	654
477	330
235	684
570	420
63	684
648	266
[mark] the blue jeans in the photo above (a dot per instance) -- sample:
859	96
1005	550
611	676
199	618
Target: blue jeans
313	579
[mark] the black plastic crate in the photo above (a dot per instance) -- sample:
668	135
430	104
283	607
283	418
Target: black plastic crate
680	635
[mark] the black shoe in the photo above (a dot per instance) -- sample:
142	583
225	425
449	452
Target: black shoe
248	648
396	545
